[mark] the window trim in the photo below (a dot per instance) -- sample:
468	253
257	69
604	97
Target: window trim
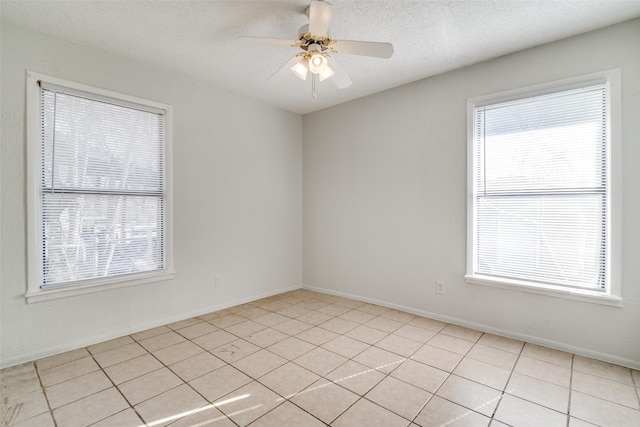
612	296
34	291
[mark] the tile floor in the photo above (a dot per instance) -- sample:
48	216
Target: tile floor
309	359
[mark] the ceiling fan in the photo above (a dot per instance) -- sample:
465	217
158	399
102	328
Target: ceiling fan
316	49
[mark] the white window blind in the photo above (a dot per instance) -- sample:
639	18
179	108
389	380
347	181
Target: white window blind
102	189
540	189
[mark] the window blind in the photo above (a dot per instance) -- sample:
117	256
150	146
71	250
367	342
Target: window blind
102	189
540	189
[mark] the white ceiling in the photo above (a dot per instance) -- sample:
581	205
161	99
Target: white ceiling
196	38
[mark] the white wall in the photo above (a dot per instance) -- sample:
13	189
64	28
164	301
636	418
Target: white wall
384	200
237	194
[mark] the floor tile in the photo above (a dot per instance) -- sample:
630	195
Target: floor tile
91	409
437	357
400	397
207	416
196	366
420	375
224	322
234	350
602	412
429	324
345	346
364	412
357	316
315	318
220	382
77	388
462	332
448	342
339	325
441	412
271	319
355	377
287	415
325	400
245	328
382	360
68	371
415	333
149	385
266	337
251	312
316	335
366	334
170	406
602	369
119	354
544	371
538	391
126	418
576	422
132	368
42	420
17	409
384	324
178	352
293	311
398	315
60	359
289	379
110	345
19	380
373	309
292	327
502	343
320	361
399	345
248	403
493	356
214	339
518	412
472	395
612	391
547	354
483	373
259	363
197	330
334	310
149	333
291	348
180	324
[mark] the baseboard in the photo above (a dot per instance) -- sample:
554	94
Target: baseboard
116	334
633	364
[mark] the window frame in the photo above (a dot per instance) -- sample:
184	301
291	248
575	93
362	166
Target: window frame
35	292
612	294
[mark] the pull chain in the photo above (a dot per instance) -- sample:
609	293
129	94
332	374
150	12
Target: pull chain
313	86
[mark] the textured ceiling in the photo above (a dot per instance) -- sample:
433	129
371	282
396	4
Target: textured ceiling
196	38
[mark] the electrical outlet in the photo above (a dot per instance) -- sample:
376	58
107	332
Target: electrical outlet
440	288
216	282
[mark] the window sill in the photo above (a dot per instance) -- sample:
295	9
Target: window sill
50	294
574	294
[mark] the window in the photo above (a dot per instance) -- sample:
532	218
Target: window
540	209
100	200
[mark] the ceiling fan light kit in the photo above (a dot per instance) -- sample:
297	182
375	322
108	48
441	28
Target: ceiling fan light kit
316	44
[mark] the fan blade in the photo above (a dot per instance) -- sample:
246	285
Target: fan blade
350	47
263	40
279	75
340	78
319	17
